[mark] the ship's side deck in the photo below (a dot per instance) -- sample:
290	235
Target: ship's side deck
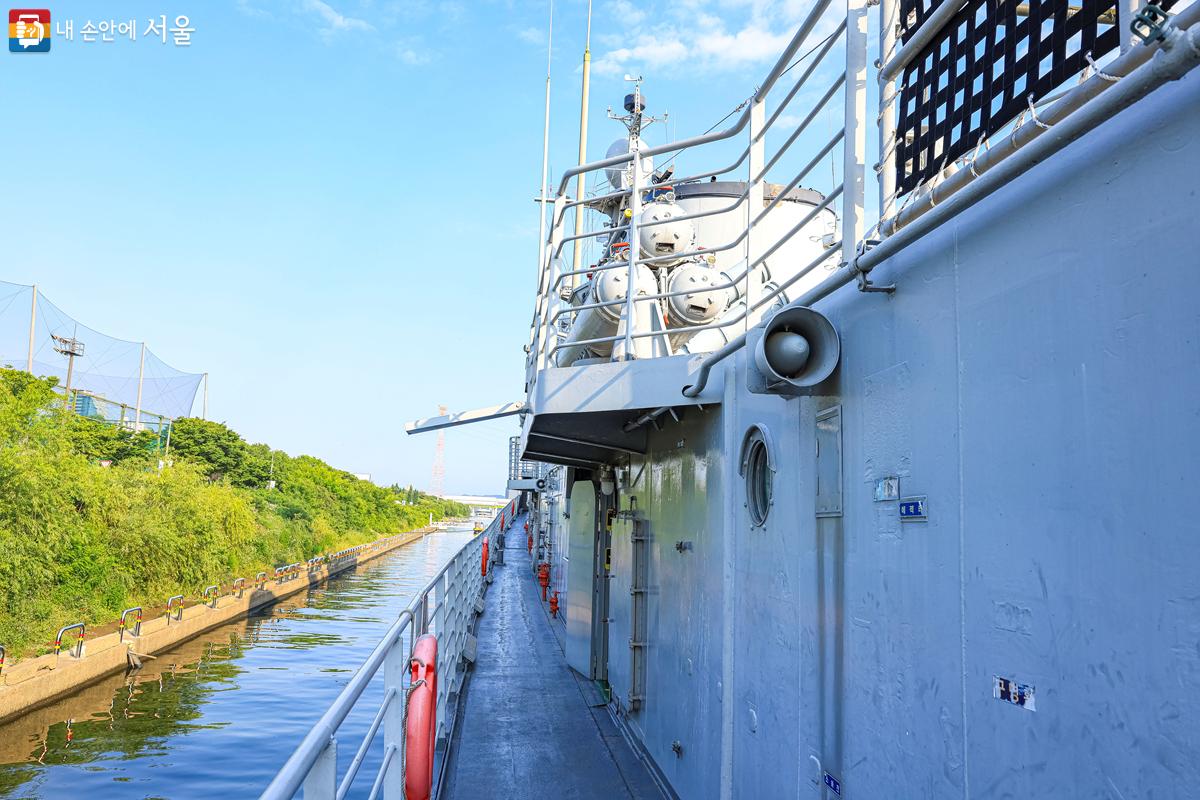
528	723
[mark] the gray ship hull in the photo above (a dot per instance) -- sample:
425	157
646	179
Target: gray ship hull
1030	389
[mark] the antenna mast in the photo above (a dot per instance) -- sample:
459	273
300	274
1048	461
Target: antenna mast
545	153
580	180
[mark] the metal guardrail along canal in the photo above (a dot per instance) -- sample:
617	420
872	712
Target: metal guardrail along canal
446	607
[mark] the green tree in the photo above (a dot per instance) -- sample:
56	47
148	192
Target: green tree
217	449
254	471
80	543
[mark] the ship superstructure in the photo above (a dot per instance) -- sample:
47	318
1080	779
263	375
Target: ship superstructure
888	498
894	507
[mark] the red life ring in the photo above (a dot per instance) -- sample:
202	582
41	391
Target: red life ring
420	725
483	567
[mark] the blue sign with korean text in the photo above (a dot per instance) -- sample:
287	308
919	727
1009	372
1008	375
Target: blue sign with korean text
913	509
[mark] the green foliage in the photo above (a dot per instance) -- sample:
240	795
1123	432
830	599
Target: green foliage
218	450
79	541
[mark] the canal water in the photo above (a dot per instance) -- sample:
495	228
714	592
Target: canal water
217	716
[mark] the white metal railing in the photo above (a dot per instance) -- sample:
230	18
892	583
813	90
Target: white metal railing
859	246
446	607
850	31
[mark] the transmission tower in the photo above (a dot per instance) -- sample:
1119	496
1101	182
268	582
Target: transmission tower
439	461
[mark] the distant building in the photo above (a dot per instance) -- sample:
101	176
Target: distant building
481	505
363	476
85	405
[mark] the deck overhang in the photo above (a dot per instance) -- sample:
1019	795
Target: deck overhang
578	415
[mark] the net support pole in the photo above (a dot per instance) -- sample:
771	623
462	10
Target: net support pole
32	326
204	405
137	412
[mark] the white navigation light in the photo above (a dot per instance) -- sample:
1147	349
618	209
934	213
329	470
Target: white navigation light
666	238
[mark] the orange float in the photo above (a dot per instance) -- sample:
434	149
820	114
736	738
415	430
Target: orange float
420	724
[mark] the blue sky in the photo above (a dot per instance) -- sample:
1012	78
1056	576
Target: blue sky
328	205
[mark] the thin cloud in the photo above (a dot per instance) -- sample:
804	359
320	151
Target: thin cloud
531	35
335	22
412	52
244	7
624	12
699	36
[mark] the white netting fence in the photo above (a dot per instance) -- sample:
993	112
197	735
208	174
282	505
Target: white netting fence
111	369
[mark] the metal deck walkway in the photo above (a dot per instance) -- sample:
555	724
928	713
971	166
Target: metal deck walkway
526	725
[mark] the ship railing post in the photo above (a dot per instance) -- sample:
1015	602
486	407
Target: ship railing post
854	145
321	781
556	234
754	199
1126	11
888	23
395	669
441	627
422	621
634	210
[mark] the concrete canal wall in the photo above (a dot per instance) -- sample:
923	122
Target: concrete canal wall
35	682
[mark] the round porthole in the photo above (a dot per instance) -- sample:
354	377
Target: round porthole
759	471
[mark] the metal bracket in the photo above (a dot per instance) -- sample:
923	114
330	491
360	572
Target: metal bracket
470	649
1150	23
864	283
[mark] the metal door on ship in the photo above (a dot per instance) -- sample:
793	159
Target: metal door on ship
581	538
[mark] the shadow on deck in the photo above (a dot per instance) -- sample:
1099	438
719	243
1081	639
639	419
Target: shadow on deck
526	725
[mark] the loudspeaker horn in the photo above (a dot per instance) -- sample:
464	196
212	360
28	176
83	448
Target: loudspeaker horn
799	348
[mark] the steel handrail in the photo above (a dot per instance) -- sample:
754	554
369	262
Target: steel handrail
777	70
546	329
831	40
356	763
732	283
712	326
824	151
1176	61
292	775
78	646
837	84
178	608
137	625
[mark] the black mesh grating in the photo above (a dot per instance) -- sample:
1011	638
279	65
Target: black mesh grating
979	71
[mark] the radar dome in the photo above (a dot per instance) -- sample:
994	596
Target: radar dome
621	176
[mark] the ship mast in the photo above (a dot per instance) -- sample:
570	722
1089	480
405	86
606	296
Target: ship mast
541	201
580	181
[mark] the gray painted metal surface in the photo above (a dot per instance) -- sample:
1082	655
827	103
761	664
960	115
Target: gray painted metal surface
581	534
1033	378
526	728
